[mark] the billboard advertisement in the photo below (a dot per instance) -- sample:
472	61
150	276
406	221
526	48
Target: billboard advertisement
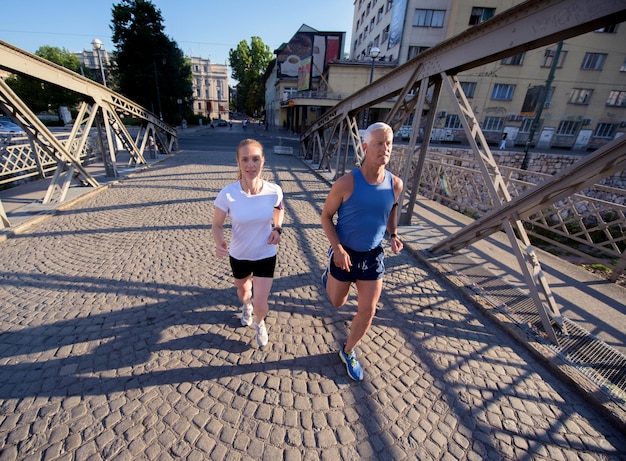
397	23
304	74
319	47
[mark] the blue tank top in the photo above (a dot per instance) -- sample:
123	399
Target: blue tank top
362	219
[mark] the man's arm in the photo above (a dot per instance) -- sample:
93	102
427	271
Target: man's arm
340	191
392	221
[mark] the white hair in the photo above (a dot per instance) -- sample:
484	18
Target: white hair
367	136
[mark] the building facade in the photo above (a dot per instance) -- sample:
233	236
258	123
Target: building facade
582	107
210	89
89	59
211	98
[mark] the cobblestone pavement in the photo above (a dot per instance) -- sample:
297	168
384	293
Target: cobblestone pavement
120	339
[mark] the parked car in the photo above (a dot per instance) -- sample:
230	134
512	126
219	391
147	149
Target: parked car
7	126
221	122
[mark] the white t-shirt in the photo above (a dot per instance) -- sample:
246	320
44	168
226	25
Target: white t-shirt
251	219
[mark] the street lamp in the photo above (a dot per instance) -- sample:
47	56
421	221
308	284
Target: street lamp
374	52
97	46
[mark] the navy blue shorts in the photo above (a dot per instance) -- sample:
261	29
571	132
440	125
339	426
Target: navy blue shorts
366	265
242	268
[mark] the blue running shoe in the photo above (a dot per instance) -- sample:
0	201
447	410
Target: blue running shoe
352	364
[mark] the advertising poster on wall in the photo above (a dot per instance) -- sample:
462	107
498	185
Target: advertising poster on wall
319	47
304	75
397	23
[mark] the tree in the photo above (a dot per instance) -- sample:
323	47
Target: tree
249	63
43	96
151	69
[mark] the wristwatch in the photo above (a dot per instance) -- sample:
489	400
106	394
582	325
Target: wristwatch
279	230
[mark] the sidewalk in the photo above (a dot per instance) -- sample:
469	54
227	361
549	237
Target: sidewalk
120	338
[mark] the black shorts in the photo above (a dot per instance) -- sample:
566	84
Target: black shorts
242	268
366	265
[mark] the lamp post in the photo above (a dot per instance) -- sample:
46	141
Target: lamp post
374	52
156	83
179	101
97	46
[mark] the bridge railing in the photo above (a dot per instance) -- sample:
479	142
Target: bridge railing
20	162
588	227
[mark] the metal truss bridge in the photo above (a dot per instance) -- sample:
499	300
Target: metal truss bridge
102	108
415	88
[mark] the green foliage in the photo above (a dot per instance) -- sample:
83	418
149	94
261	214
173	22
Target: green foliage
151	69
249	63
43	96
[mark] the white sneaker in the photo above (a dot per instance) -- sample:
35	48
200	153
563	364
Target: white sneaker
246	315
261	333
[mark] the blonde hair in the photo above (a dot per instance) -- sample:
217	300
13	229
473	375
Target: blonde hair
247	142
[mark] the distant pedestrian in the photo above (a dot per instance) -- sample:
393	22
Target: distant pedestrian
253	205
365	203
503	141
230	124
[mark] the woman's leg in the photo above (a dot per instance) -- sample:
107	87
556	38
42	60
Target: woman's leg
262	287
244	290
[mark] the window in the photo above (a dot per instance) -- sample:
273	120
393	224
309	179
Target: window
605	130
469	88
453	121
580	96
493	124
389	5
385	34
415	50
617	98
516	60
502	92
428	18
376	41
369	6
381	13
623	68
480	15
365	32
548	57
372	22
568	128
593	61
526	125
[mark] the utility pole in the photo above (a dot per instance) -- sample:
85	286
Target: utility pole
542	101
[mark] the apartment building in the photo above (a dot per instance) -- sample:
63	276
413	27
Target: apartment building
210	89
583	107
296	90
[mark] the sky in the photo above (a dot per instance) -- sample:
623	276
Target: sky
201	28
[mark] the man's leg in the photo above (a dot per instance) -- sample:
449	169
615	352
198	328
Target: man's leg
368	294
337	291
